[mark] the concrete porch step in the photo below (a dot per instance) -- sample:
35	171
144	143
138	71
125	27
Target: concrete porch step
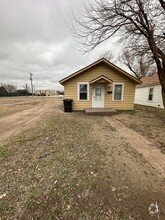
100	111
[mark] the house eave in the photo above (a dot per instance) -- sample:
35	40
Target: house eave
147	85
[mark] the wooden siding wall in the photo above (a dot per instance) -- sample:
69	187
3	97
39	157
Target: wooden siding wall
71	88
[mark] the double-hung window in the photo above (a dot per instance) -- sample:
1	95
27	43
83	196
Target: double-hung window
83	91
118	92
150	96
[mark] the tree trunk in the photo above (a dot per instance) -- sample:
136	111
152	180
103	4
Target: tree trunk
163	95
162	83
160	65
161	75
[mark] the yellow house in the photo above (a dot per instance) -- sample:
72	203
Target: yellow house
100	85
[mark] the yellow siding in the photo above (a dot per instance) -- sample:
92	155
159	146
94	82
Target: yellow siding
71	88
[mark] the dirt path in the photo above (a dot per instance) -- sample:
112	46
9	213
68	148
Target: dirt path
141	144
14	124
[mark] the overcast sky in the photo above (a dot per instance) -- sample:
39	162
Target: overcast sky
35	38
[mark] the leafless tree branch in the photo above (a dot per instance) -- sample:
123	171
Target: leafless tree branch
138	24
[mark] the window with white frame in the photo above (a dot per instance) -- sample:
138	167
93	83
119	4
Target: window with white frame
83	91
118	92
150	96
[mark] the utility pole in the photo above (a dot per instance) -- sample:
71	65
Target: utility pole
34	89
26	91
31	79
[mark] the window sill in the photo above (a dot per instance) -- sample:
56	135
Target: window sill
117	100
83	100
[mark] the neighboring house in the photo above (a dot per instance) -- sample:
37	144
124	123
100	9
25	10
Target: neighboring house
149	92
100	85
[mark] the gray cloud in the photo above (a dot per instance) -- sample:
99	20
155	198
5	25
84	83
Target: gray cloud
35	38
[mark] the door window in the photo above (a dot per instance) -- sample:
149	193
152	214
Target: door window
97	94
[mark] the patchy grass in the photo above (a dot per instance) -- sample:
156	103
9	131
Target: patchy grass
58	171
55	173
148	121
12	105
150	111
53	164
3	152
10	110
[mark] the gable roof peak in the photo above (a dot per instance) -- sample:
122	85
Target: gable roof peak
108	63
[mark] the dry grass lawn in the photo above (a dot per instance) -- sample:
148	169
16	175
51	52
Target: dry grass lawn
70	166
12	105
148	121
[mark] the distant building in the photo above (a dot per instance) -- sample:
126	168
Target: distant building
46	92
149	92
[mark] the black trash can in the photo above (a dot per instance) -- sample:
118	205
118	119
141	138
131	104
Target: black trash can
68	105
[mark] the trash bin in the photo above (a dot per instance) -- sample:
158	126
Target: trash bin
68	105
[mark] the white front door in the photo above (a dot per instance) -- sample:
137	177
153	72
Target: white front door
98	96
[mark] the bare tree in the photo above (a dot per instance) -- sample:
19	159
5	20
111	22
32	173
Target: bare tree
139	65
108	55
10	88
137	24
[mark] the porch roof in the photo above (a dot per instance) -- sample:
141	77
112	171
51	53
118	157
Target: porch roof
102	77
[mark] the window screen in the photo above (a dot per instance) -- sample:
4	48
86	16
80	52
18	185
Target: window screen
83	91
118	92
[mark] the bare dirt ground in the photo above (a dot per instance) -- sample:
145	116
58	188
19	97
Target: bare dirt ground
20	113
70	166
142	145
148	121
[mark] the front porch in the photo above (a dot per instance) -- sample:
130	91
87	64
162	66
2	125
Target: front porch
100	111
100	87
